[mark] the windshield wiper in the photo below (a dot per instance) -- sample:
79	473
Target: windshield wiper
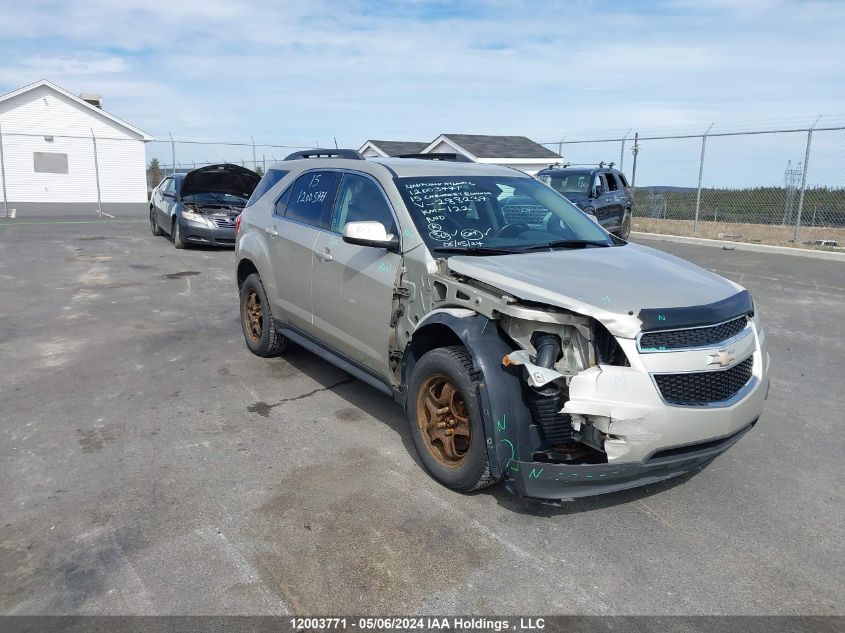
476	250
564	244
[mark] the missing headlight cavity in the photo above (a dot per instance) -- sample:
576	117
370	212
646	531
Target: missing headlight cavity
608	351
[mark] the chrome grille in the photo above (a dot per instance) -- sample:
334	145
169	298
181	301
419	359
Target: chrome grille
705	387
529	214
693	337
224	223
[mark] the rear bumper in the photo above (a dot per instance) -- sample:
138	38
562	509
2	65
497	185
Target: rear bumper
557	481
197	234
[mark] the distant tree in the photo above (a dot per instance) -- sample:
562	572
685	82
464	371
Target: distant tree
154	173
259	170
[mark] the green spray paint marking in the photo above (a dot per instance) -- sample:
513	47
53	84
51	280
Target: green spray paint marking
408	233
512	459
661	317
535	474
501	424
607	299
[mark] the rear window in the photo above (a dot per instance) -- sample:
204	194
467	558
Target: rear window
267	181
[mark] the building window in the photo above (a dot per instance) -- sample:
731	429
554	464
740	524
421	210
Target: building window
49	162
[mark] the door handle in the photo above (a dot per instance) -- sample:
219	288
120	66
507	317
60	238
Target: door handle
271	231
325	256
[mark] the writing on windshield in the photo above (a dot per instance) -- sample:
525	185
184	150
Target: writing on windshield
501	212
447	205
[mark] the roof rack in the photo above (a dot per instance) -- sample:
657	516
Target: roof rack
325	153
447	156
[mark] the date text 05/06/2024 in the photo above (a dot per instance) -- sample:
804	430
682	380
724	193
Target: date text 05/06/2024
464	624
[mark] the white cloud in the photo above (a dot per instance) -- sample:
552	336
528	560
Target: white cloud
289	71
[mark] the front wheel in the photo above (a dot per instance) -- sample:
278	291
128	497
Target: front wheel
154	227
625	228
178	242
260	332
445	420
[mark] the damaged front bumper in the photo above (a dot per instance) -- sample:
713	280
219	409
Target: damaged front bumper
645	438
560	481
208	234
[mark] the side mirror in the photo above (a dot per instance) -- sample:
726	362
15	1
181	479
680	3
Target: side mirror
370	234
598	191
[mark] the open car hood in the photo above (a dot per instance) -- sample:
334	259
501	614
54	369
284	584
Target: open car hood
619	286
223	178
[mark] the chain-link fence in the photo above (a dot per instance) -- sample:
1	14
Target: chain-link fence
782	186
176	154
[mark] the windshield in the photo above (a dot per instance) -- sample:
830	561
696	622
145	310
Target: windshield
568	182
495	213
215	197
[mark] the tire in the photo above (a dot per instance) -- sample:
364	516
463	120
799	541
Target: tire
176	232
264	340
624	230
154	227
459	463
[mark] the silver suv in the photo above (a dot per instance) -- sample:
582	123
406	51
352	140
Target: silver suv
547	354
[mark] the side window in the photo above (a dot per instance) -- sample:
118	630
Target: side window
623	179
311	197
269	179
168	185
611	182
282	202
359	199
599	181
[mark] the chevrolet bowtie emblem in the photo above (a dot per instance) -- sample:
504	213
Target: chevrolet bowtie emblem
723	357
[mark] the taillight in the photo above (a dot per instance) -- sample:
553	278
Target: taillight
238	223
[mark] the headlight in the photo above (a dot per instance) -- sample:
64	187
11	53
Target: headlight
199	218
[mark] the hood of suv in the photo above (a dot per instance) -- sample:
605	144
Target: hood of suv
225	178
610	284
580	200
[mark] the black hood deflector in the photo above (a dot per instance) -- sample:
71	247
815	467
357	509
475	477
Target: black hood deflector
697	316
223	178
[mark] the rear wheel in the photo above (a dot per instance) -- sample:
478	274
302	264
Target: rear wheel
625	228
154	227
445	420
178	242
260	332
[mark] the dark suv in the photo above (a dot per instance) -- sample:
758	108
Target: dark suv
600	191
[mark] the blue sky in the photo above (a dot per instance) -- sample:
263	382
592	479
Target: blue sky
299	72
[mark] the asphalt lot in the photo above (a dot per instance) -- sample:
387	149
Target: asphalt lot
149	464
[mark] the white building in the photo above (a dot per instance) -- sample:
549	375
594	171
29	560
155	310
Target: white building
519	152
47	139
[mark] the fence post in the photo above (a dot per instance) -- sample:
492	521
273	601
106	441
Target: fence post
254	161
796	235
172	154
3	175
97	174
700	176
622	152
635	150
